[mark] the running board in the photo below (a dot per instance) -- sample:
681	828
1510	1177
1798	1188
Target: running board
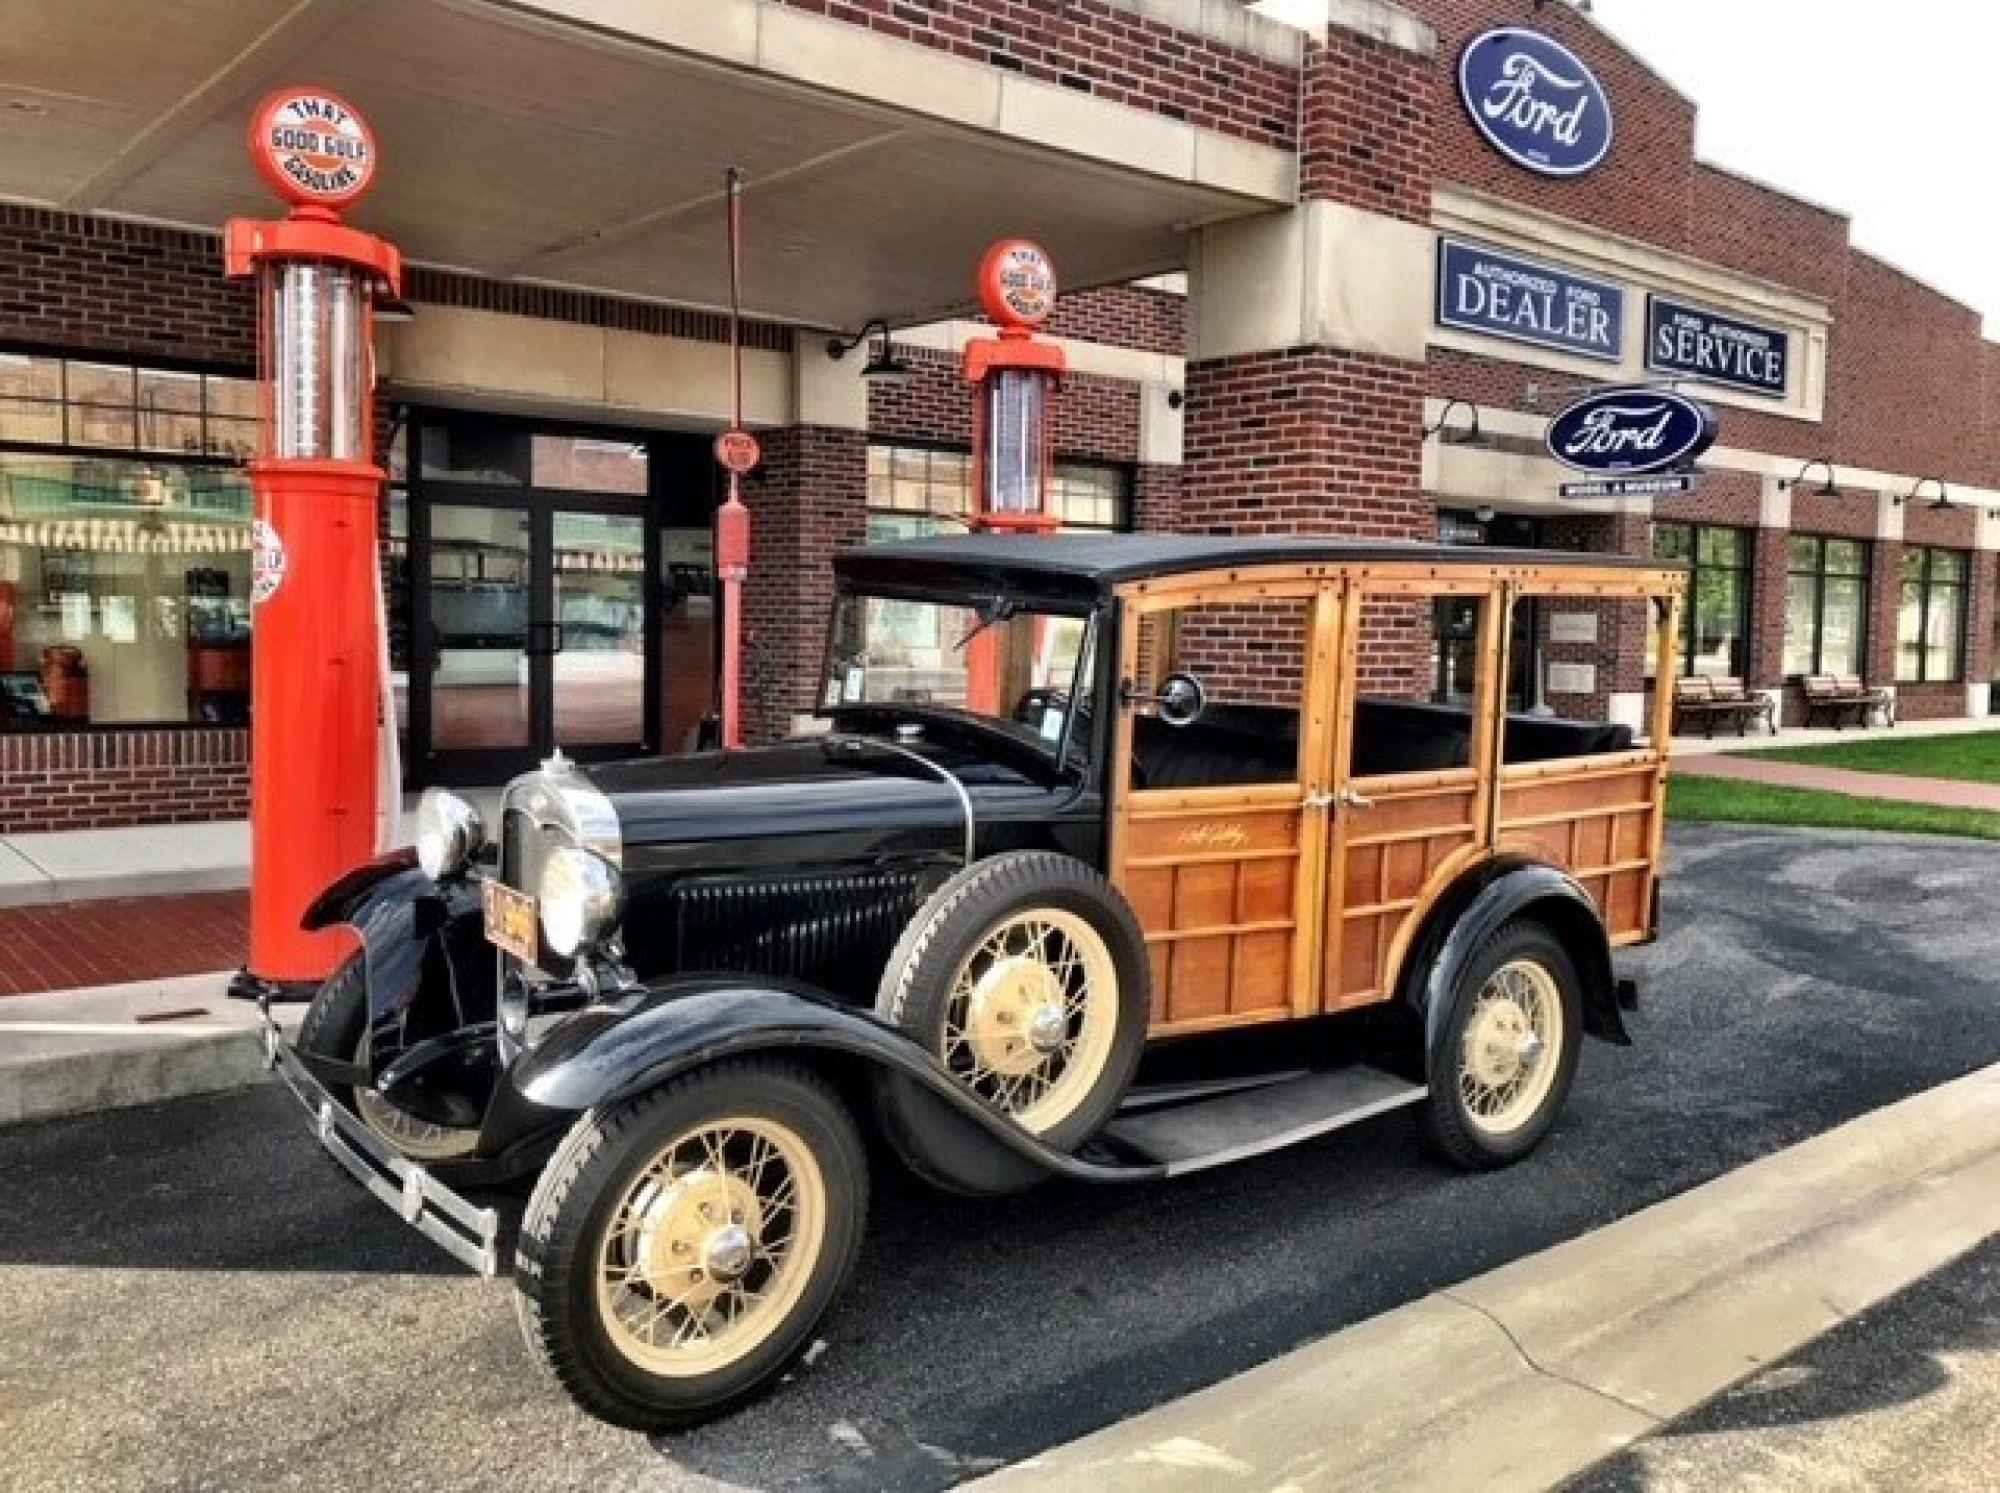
1212	1132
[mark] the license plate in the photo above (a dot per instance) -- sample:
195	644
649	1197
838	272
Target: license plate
510	921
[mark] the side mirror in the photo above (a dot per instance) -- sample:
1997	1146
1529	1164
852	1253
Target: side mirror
1180	701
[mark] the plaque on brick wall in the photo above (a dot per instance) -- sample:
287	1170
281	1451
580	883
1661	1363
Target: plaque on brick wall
1572	679
1573	627
1524	300
1717	349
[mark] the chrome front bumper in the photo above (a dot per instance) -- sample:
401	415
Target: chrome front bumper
466	1233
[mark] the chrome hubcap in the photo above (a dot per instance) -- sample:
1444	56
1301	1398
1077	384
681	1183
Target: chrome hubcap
728	1252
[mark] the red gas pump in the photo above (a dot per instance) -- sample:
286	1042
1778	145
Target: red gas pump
315	678
1013	378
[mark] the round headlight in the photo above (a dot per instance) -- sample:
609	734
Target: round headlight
579	897
449	833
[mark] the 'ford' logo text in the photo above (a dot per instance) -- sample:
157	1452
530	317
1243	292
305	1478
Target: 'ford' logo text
1631	430
1535	101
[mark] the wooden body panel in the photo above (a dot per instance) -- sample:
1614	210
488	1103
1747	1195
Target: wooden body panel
1265	902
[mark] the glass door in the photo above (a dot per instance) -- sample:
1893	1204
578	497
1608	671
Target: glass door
474	710
598	634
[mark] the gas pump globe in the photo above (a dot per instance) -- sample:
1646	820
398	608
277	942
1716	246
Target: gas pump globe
318	663
1013	377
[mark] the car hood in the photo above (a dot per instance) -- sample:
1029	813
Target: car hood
857	796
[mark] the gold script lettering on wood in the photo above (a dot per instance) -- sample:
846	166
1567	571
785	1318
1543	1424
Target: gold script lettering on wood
1213	837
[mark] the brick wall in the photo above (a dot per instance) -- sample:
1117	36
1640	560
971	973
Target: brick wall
1153	321
1748	226
1105	50
93	284
806	504
1906	388
1369	130
1315	441
86	779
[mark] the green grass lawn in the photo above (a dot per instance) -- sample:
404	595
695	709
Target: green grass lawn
1722	799
1972	758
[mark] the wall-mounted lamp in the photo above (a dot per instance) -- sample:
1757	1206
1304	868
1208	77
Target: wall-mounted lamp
1826	489
1176	399
1940	504
1470	436
883	366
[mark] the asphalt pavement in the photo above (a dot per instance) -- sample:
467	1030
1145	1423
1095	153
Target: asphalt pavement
1906	1395
190	1297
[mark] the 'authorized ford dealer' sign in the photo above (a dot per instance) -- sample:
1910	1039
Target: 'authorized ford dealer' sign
1717	349
1502	295
1535	101
1617	431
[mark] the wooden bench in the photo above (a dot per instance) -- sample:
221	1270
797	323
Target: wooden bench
1836	696
1708	699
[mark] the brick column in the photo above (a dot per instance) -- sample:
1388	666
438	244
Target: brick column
1306	375
807	502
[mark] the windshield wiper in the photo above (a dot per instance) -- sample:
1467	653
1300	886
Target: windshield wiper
999	609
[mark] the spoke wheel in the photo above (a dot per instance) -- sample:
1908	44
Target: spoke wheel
1031	1016
1026	976
711	1246
682	1248
1507	1060
336	1026
1506	1052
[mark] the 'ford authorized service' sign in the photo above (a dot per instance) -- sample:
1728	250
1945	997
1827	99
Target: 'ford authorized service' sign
1535	101
1716	349
1500	295
1616	431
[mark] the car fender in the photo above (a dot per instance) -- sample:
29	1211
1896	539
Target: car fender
1478	906
429	970
609	1053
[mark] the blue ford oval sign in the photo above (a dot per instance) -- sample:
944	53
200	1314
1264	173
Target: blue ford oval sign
1631	430
1535	101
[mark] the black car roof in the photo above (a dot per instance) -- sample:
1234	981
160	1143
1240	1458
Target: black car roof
1071	562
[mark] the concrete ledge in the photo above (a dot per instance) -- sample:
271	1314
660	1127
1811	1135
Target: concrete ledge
77	1051
1524	1376
141	861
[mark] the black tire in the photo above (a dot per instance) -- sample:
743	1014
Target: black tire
335	1026
581	1192
951	927
1451	1126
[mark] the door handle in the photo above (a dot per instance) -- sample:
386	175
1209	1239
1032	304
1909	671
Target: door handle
1347	798
1318	801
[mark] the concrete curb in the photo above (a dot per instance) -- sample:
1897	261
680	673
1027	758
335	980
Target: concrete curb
1533	1372
76	1051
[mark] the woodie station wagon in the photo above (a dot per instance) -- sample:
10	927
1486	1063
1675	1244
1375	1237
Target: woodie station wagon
1118	857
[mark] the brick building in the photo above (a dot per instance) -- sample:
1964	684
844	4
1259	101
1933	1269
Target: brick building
1305	292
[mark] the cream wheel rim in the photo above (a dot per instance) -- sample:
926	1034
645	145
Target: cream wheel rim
420	1140
1512	1047
710	1246
1031	1016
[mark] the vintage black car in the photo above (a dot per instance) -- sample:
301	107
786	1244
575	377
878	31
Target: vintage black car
1114	857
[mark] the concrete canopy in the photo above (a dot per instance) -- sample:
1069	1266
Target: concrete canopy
583	142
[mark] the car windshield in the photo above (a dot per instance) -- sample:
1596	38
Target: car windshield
993	659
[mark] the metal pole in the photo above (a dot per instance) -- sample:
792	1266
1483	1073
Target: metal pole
732	527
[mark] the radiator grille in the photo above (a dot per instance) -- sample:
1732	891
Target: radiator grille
834	930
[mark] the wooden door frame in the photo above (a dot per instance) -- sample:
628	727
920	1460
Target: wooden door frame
1308	793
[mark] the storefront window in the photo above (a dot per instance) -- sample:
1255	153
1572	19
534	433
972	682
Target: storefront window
124	591
1930	626
914	491
1715	623
1826	606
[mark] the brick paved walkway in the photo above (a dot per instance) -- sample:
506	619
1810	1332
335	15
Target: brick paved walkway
1748	768
68	944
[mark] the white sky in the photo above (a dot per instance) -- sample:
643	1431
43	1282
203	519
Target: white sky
1888	113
